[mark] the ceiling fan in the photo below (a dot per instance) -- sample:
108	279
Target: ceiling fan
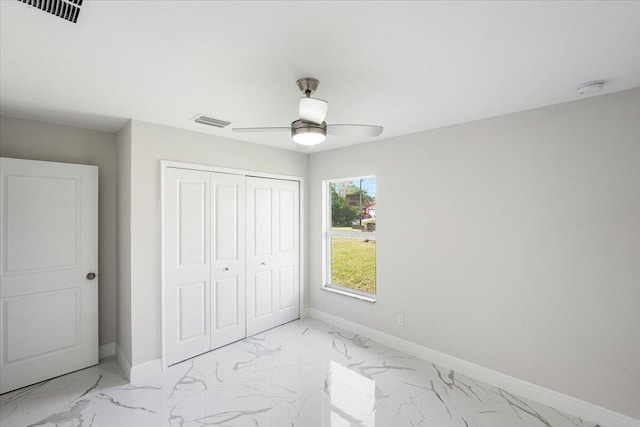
310	128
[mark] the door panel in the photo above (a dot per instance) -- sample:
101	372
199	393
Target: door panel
192	311
272	253
263	291
48	244
192	223
187	307
286	280
262	217
27	338
259	255
226	315
287	221
228	247
41	207
226	221
286	257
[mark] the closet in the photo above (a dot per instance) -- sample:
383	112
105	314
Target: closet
230	258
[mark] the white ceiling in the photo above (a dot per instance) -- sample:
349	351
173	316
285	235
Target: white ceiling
409	66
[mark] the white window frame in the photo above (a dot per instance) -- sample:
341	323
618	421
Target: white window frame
328	233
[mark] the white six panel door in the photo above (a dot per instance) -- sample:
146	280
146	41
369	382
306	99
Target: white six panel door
187	264
272	253
228	253
49	245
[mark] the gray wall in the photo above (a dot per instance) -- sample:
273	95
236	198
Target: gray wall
123	139
149	145
26	139
511	242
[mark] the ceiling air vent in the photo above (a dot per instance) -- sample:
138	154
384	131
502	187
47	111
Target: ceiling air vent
210	121
65	9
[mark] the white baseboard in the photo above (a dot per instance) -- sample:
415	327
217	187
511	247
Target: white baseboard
145	370
138	372
559	401
107	350
124	362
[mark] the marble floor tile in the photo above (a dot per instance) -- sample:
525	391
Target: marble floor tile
504	409
302	374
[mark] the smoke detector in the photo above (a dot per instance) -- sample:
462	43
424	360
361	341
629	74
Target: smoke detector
588	88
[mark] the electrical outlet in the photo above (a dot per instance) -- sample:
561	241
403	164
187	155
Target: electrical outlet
400	320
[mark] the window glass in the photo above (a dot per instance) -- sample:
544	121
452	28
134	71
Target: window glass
353	263
350	234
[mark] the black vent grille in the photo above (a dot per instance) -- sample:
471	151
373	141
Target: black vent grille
65	9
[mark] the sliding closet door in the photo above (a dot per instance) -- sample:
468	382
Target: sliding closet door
272	253
187	263
228	254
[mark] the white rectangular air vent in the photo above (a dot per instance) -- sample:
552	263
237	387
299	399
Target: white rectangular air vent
210	121
65	9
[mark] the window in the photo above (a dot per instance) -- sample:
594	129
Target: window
350	236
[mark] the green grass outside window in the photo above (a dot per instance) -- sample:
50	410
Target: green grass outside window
353	263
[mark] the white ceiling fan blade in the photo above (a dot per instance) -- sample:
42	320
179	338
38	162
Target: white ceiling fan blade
313	110
265	129
354	130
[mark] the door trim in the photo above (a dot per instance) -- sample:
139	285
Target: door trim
166	164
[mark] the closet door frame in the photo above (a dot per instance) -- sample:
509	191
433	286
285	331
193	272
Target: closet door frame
166	164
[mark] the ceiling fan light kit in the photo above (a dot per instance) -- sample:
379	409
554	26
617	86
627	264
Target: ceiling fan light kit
310	128
307	133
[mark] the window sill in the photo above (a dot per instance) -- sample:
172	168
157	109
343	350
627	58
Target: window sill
362	297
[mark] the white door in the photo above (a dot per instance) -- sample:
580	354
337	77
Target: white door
48	270
228	253
204	296
287	255
272	253
187	263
